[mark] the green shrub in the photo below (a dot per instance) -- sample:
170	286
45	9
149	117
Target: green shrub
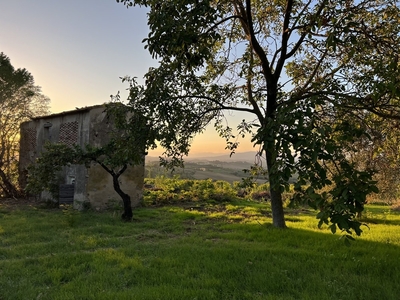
260	192
162	190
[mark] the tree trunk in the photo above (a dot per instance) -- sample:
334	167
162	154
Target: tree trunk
126	199
278	216
10	191
127	215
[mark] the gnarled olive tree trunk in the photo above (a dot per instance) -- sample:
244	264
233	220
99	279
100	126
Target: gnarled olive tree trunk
126	199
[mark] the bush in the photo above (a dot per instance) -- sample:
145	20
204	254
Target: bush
162	190
260	192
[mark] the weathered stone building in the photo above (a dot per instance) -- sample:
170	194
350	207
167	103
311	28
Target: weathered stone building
83	126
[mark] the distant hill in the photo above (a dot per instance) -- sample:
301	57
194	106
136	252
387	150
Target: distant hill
249	157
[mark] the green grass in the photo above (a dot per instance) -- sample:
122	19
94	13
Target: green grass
195	251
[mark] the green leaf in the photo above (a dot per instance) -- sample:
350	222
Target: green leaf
374	189
333	228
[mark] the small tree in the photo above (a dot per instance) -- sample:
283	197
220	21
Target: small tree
300	69
126	147
20	99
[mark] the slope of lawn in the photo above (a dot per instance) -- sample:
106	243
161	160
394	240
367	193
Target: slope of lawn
225	250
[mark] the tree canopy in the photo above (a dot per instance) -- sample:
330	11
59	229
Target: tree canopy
302	70
20	99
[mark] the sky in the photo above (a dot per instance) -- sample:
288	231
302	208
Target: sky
77	50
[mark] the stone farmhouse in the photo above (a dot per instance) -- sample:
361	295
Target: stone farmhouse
78	184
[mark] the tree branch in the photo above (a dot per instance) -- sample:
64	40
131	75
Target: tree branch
110	171
304	34
254	43
224	20
285	38
122	170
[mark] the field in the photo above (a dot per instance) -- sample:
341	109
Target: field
216	170
194	250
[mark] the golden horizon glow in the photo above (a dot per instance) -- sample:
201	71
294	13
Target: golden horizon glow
211	143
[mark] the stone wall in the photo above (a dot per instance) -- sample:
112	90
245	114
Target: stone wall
81	127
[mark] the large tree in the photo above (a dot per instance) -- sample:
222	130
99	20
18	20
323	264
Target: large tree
20	99
300	69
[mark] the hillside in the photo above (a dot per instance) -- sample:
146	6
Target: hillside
220	167
249	157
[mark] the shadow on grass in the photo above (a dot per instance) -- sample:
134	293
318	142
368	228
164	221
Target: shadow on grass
307	264
258	261
369	220
178	253
293	219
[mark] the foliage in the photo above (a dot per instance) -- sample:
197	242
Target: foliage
20	100
42	175
302	70
174	190
114	156
163	191
380	152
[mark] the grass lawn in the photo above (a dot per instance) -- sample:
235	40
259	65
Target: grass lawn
221	251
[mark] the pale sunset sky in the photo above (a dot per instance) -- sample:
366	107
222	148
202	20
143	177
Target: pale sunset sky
77	49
